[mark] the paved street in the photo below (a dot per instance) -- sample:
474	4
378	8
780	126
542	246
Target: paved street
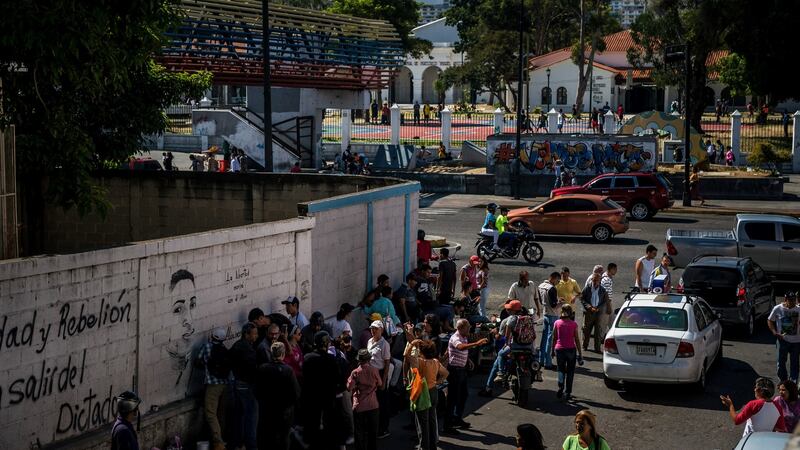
673	416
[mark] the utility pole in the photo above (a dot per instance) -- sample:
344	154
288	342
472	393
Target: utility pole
687	141
519	104
268	166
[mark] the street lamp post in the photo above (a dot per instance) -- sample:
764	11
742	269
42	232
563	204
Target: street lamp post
519	103
549	93
268	166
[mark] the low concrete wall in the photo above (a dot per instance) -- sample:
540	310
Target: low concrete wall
725	188
150	205
79	329
451	183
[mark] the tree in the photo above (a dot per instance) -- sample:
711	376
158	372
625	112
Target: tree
760	35
402	14
594	22
668	22
733	71
82	96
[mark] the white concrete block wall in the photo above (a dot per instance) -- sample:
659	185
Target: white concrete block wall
61	369
387	242
339	246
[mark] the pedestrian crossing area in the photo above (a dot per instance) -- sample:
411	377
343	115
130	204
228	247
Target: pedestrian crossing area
435	212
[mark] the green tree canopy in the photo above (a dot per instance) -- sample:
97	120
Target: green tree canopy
80	85
403	14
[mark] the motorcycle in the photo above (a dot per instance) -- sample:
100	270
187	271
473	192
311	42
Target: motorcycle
522	370
525	243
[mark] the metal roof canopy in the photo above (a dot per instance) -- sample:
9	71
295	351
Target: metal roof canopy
308	48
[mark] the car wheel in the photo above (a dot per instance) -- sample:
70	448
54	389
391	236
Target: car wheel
640	211
602	233
611	384
700	385
533	252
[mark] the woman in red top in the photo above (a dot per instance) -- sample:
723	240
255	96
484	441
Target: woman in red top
294	354
364	381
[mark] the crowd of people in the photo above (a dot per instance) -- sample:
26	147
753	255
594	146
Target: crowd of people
351	163
326	384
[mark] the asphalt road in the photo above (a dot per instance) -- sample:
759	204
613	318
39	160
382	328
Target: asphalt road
648	416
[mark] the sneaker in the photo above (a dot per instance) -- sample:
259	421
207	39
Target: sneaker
383	434
568	397
560	393
500	377
464	425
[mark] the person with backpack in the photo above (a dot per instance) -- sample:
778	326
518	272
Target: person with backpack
213	357
594	299
566	344
548	293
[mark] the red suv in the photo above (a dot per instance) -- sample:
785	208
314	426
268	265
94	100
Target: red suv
642	194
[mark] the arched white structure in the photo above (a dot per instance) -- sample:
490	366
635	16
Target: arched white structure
429	77
403	86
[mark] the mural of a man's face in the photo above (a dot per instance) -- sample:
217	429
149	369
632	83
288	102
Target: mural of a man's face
183	302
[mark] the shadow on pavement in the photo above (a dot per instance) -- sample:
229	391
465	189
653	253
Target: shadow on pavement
617	240
428	200
474	436
672	219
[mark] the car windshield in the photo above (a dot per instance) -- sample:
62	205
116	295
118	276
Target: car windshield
653	318
612	204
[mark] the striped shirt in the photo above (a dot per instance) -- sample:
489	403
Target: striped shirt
456	357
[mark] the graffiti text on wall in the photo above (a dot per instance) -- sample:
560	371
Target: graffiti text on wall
71	321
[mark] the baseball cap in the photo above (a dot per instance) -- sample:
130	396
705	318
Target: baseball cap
218	334
290	301
474	259
514	305
376	324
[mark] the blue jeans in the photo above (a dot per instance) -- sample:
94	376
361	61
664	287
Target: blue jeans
482	303
249	417
792	351
545	350
566	367
499	364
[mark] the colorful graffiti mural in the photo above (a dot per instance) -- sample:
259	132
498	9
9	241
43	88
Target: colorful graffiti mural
582	155
656	120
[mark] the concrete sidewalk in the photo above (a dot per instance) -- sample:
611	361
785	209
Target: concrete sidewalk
789	207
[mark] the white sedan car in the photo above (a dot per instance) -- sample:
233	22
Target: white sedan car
662	338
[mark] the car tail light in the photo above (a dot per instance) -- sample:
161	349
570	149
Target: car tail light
610	346
671	250
685	350
741	295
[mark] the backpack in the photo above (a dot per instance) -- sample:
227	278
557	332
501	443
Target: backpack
524	330
219	364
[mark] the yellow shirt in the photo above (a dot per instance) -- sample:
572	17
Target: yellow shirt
568	290
500	224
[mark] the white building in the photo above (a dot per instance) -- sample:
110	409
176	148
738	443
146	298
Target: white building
627	10
416	80
430	10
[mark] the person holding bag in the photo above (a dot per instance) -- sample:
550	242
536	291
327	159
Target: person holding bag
427	374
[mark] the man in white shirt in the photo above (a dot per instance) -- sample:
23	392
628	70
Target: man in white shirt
548	295
292	305
607	281
784	323
643	269
524	291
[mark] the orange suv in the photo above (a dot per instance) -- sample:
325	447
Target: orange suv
578	214
643	194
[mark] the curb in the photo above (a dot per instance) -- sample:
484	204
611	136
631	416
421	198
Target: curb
702	210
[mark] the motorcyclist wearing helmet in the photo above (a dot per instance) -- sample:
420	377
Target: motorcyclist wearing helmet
489	224
505	229
123	435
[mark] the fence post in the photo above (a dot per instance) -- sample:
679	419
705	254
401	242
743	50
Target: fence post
796	143
610	123
447	128
395	122
499	121
346	122
552	121
736	136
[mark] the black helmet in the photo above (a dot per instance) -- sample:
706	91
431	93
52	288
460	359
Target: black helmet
791	294
491	207
127	402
